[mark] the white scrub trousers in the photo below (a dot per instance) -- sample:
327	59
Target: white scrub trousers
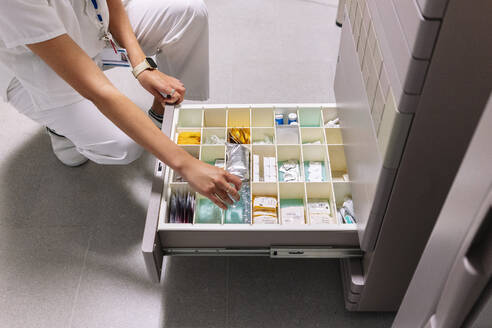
176	31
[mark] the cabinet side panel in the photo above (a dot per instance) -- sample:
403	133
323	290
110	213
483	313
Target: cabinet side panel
455	92
361	150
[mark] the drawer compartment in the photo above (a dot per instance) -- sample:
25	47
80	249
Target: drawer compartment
306	201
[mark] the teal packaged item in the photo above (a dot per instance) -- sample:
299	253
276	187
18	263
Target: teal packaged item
346	212
310	117
292	211
240	211
208	212
291	202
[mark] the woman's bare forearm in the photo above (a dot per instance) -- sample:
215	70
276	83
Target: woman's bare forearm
122	31
62	52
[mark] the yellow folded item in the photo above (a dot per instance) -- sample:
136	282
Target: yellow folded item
239	135
189	138
265	210
264	213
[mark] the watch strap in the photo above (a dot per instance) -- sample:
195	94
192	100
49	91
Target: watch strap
143	66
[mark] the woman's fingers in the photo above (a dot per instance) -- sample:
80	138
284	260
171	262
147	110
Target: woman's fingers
172	92
234	179
181	98
181	89
217	202
222	195
164	91
175	98
223	192
158	96
215	183
230	190
178	97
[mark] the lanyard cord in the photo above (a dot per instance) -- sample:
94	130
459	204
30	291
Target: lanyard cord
98	13
107	36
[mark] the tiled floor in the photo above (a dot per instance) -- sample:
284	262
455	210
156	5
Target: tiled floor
70	238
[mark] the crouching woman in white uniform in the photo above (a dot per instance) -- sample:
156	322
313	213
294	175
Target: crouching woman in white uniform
49	51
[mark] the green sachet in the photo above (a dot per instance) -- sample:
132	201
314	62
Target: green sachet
208	212
292	211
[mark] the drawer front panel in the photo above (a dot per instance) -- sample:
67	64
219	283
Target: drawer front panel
252	238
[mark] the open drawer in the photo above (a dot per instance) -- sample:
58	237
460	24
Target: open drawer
311	141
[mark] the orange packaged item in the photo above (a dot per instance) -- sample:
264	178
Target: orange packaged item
189	138
239	135
265	210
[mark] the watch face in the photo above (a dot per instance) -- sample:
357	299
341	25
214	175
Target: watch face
151	62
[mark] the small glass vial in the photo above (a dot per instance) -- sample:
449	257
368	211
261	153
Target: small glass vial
292	118
279	118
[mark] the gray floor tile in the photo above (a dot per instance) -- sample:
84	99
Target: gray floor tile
115	290
291	293
62	196
195	290
281	293
282	83
20	176
279	57
39	276
10	131
95	194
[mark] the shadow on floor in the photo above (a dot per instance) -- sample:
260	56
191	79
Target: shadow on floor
38	192
258	292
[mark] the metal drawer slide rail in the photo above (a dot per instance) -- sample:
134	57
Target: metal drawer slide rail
273	252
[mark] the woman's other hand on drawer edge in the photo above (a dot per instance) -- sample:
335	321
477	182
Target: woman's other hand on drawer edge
212	182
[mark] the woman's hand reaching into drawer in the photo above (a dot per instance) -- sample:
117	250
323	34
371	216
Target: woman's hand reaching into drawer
212	182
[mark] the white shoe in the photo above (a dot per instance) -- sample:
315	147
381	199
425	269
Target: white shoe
65	150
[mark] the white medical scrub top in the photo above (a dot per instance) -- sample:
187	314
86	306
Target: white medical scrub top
32	21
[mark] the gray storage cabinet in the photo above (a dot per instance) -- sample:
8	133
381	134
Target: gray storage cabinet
452	285
412	80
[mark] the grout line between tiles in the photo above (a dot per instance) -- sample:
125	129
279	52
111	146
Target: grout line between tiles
79	283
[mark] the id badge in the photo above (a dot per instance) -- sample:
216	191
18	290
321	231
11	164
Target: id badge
111	59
